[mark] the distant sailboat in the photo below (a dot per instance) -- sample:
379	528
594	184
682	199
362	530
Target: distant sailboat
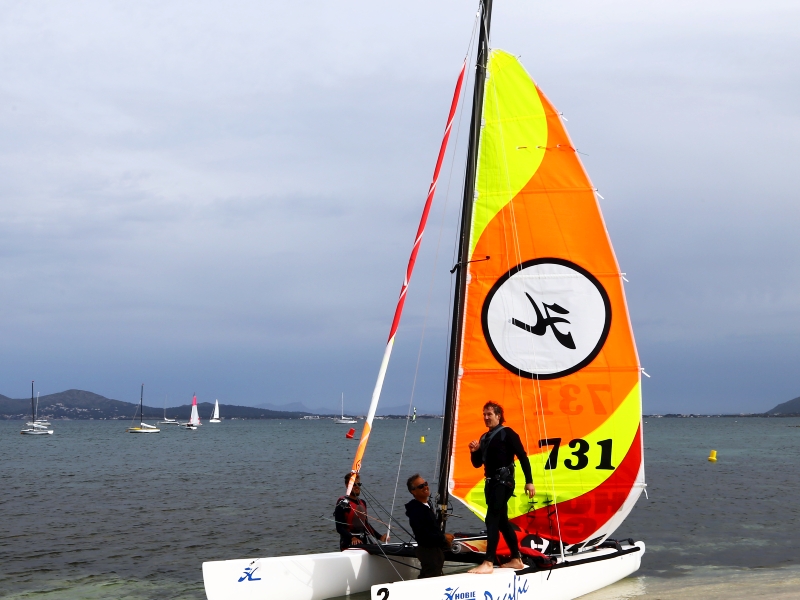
35	428
39	421
414	416
194	420
344	420
143	427
215	417
167	421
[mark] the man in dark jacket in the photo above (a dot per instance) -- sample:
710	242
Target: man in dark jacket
495	452
352	522
431	542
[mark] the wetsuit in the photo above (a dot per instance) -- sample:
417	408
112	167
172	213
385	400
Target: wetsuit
496	454
431	542
352	521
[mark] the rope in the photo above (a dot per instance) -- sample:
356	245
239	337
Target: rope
433	280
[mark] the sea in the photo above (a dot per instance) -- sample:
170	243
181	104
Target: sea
92	512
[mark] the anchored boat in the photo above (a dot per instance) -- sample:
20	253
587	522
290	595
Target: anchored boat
167	420
215	415
540	325
143	427
36	426
344	420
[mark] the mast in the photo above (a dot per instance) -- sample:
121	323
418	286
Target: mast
33	407
141	407
463	257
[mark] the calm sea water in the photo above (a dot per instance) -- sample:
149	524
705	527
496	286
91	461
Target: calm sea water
93	512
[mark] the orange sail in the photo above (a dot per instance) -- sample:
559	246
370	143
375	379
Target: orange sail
546	332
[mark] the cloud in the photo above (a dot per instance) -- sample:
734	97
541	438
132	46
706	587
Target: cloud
222	199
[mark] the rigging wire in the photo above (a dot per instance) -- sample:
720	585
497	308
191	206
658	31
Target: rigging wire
433	278
454	258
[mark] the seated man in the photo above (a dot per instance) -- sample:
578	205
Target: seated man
431	542
351	518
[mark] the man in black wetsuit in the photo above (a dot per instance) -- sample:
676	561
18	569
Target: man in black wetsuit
495	452
431	542
352	522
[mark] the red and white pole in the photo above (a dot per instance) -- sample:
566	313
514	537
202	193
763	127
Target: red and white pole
387	353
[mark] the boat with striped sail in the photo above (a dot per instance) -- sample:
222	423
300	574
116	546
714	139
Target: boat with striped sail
540	326
194	418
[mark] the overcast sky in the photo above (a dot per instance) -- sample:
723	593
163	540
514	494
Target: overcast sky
220	197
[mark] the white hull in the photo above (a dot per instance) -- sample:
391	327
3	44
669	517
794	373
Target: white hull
304	577
215	420
37	432
588	574
321	576
168	423
345	421
143	430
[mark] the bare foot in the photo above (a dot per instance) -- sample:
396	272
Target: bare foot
484	568
514	563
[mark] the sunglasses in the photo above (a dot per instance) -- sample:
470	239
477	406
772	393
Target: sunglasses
424	484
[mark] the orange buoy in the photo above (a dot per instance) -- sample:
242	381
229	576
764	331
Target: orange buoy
350	434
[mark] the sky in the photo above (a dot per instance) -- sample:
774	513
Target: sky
221	198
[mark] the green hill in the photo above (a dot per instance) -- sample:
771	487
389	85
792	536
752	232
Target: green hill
792	407
79	404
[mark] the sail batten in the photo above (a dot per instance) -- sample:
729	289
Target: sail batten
545	329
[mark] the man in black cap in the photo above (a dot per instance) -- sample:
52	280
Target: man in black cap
431	542
495	452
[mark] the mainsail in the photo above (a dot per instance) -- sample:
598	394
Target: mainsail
545	328
195	418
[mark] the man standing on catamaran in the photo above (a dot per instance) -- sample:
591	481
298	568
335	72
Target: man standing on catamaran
352	522
495	453
431	542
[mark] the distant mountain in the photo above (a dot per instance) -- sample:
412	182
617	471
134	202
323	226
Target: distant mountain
299	407
792	407
79	404
383	411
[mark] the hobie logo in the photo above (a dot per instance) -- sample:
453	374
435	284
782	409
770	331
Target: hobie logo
248	575
454	594
546	318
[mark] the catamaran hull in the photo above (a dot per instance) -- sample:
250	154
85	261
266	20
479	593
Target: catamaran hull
584	574
321	576
305	577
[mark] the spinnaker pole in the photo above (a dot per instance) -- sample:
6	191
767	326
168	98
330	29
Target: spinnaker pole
456	328
387	353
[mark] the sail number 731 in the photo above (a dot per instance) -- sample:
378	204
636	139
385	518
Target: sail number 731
580	450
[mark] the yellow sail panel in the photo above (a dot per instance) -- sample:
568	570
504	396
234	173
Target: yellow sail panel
546	328
514	128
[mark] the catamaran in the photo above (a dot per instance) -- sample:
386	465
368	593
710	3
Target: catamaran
194	419
540	325
36	426
143	427
215	416
344	420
